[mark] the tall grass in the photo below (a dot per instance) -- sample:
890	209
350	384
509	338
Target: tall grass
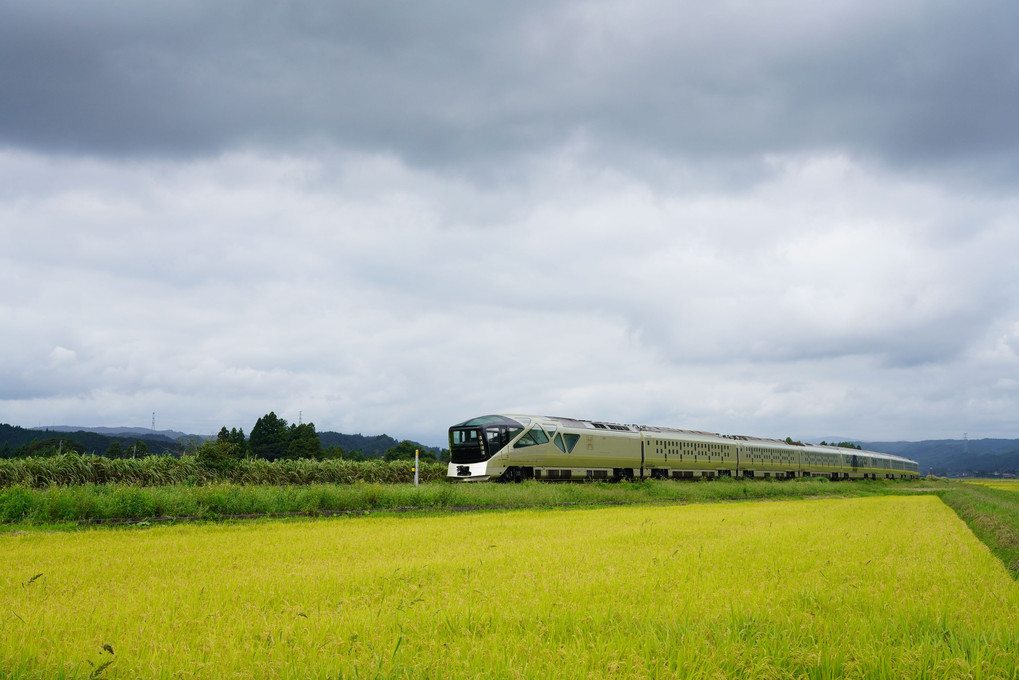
55	504
73	469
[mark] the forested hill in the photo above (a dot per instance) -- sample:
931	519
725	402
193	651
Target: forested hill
13	437
372	446
957	457
98	440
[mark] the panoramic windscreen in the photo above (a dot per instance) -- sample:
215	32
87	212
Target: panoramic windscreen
465	445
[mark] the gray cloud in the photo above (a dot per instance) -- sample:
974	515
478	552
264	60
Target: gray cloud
782	218
913	84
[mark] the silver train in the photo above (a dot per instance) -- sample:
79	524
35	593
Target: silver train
517	447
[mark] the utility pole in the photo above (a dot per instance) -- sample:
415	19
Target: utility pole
416	465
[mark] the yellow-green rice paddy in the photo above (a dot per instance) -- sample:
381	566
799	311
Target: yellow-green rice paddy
1004	484
886	587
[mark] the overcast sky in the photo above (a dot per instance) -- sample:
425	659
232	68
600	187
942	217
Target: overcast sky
769	218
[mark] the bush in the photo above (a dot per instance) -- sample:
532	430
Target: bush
16	505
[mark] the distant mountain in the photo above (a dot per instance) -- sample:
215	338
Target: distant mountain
170	435
372	446
957	457
12	437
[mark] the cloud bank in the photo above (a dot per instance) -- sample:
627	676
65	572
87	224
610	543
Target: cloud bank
783	219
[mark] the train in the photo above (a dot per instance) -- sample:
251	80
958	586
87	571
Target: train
518	447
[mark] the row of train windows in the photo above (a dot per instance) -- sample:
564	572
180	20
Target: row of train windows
564	442
676	445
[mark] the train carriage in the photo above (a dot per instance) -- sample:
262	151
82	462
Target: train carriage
516	447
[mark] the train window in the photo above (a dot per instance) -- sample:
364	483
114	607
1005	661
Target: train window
464	436
558	441
498	437
534	437
571	441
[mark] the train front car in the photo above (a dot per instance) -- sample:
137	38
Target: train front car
476	447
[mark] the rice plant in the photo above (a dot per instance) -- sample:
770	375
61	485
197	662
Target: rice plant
876	587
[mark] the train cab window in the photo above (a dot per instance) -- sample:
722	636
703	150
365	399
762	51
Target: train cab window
533	437
558	441
460	437
571	441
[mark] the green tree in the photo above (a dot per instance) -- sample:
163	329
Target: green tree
139	449
236	437
218	454
269	437
114	450
405	451
303	442
334	453
51	447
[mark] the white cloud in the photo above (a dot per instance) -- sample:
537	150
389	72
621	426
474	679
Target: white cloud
831	297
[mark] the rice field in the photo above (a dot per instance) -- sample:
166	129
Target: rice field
1003	484
876	587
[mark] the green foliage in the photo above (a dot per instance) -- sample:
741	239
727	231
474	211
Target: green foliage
365	446
336	453
16	505
115	450
405	451
219	454
302	442
216	462
235	437
269	437
259	487
51	447
273	439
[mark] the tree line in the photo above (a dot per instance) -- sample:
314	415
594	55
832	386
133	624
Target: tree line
272	438
55	446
